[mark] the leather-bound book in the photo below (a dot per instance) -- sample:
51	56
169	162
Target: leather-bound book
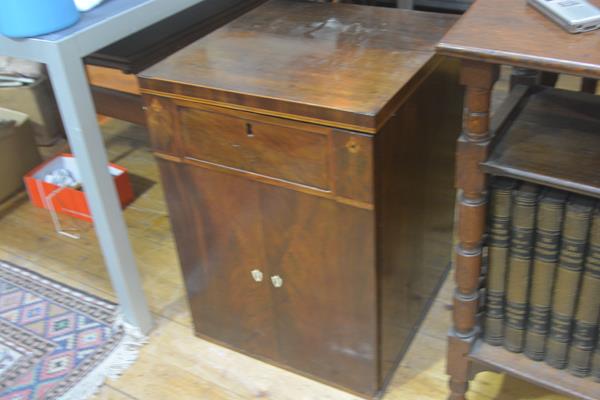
588	306
519	265
596	361
547	248
568	276
498	246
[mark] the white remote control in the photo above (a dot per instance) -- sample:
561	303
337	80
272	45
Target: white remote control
575	16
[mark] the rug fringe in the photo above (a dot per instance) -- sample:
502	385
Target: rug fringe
121	358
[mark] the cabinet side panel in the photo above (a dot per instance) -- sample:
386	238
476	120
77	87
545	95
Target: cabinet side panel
415	207
217	229
326	307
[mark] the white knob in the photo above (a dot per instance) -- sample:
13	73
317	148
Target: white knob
257	275
277	281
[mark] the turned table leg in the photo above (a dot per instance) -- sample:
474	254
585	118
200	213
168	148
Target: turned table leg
479	79
589	85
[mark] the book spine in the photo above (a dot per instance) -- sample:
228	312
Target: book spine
596	361
588	306
568	276
547	248
498	244
519	265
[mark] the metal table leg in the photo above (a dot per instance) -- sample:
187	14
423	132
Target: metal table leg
79	117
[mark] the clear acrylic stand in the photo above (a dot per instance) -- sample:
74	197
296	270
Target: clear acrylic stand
49	200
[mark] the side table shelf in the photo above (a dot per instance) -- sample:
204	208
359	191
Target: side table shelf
549	137
539	373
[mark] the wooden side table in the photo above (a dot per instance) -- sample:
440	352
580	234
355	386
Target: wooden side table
484	38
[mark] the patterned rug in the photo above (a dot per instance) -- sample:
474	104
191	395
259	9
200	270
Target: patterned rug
57	342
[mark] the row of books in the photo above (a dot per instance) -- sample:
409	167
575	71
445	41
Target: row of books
543	278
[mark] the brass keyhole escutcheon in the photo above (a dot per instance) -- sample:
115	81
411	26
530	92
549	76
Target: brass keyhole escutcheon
249	131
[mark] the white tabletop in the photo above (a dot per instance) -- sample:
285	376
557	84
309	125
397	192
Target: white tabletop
96	17
97	28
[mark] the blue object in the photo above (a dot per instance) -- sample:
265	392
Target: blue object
26	18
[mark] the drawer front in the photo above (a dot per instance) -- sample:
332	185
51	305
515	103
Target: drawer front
272	150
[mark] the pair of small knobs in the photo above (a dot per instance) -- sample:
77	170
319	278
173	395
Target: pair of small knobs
276	280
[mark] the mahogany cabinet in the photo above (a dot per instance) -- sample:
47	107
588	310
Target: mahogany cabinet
306	152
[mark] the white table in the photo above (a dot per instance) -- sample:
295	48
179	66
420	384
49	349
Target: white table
62	52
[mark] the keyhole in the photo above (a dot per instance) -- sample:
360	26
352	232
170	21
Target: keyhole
249	130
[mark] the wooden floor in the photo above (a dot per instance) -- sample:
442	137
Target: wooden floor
175	364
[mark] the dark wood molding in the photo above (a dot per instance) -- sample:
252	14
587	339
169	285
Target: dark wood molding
142	49
120	105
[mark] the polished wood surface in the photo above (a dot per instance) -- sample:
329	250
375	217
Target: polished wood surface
353	166
220	241
344	66
326	310
269	149
344	161
111	70
227	226
162	125
356	279
116	94
111	78
512	32
345	219
413	191
553	140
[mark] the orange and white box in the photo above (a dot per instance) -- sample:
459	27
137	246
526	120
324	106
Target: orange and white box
68	200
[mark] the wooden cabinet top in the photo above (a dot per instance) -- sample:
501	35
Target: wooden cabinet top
512	32
337	65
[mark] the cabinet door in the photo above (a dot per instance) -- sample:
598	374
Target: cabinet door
325	308
216	222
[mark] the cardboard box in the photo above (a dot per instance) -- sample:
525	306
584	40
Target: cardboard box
37	101
71	201
18	151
